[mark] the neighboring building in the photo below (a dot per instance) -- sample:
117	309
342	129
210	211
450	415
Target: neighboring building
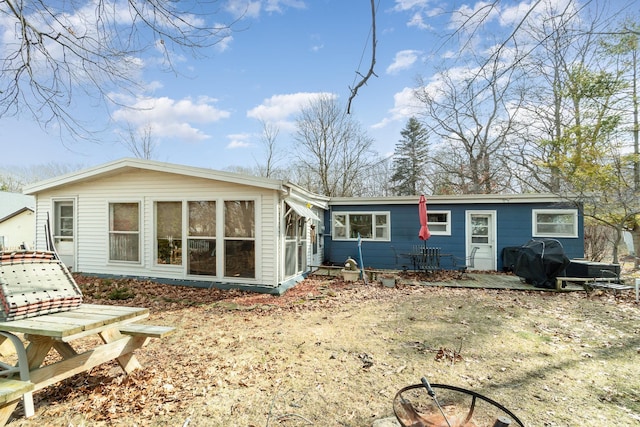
183	224
389	227
17	221
144	218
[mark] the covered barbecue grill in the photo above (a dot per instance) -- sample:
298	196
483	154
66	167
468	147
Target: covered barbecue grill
540	262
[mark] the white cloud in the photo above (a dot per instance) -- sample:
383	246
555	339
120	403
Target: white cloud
405	105
279	5
417	21
280	110
402	5
403	61
244	8
239	140
253	8
166	117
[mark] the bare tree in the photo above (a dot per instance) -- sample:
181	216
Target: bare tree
15	178
471	119
333	148
61	48
272	153
560	41
140	143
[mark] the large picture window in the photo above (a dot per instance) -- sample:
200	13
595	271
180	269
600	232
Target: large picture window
370	225
124	232
239	239
555	223
169	233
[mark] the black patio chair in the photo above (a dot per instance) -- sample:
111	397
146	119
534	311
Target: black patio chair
397	258
465	263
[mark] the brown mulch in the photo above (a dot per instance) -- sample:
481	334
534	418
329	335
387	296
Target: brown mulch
322	290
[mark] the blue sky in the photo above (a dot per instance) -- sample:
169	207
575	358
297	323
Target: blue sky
282	54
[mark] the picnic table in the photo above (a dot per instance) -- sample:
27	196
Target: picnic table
117	327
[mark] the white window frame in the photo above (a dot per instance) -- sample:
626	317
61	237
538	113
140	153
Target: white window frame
139	232
387	214
447	230
535	223
182	229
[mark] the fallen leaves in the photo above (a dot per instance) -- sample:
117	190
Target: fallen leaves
334	345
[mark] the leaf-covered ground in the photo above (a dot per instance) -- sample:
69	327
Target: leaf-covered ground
330	353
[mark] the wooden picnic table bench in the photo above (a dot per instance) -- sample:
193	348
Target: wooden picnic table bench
116	326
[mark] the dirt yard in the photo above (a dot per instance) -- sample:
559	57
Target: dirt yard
329	353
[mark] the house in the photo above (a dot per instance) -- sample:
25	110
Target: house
389	226
199	226
17	221
144	218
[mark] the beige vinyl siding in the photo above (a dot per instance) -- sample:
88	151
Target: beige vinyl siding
147	187
43	205
18	229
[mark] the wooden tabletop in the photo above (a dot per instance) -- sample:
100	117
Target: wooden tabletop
85	320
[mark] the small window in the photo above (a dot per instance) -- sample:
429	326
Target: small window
124	232
439	222
555	223
369	225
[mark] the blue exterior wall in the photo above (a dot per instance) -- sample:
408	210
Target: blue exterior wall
513	221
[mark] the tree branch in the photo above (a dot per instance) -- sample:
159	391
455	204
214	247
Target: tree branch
354	91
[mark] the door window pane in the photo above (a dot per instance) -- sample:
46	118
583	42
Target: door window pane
479	229
64	219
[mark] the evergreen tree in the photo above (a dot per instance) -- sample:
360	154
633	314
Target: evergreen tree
410	160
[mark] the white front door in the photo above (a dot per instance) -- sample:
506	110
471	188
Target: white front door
63	231
481	233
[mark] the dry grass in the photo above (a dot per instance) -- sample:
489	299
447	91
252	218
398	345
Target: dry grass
334	354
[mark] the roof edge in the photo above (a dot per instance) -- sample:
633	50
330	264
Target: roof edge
451	199
153	165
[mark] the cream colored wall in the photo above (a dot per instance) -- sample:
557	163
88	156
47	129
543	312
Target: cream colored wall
19	229
148	187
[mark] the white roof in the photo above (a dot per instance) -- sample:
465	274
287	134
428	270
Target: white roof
13	203
122	165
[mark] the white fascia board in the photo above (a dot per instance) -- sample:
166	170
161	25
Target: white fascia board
450	199
127	163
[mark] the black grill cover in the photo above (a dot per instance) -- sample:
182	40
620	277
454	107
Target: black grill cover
540	261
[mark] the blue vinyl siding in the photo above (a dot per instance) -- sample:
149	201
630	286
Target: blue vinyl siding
513	221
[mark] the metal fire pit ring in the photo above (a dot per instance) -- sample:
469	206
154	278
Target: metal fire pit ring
408	416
